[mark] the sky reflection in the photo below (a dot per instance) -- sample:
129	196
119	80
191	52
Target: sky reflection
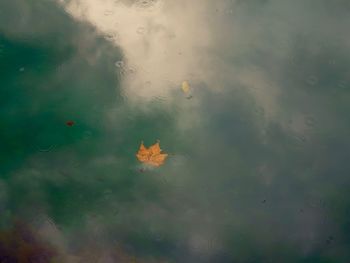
257	165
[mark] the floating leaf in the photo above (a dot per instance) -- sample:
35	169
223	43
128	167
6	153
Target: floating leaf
185	87
151	155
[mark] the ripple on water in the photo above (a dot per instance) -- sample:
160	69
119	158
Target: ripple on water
342	84
312	80
119	64
108	12
141	30
310	121
146	5
111	36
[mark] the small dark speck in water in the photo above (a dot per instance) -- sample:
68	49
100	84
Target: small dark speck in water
70	123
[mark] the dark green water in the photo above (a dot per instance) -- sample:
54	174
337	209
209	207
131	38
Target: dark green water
257	171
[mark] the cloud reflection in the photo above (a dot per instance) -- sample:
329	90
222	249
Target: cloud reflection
162	41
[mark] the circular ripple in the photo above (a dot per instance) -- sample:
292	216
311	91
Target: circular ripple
146	4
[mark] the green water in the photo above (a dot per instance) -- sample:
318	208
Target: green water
249	178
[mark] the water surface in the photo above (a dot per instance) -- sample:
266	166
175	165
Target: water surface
258	151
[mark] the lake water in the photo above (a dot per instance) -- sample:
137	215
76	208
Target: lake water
258	141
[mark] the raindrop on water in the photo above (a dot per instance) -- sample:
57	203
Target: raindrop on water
312	80
119	64
111	36
148	5
141	30
310	121
342	84
87	135
108	12
131	70
107	194
46	149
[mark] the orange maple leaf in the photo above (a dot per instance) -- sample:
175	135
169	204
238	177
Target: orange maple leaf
152	155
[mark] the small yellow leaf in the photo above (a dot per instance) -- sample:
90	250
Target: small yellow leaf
185	87
152	155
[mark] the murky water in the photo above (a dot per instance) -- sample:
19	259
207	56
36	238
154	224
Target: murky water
249	99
